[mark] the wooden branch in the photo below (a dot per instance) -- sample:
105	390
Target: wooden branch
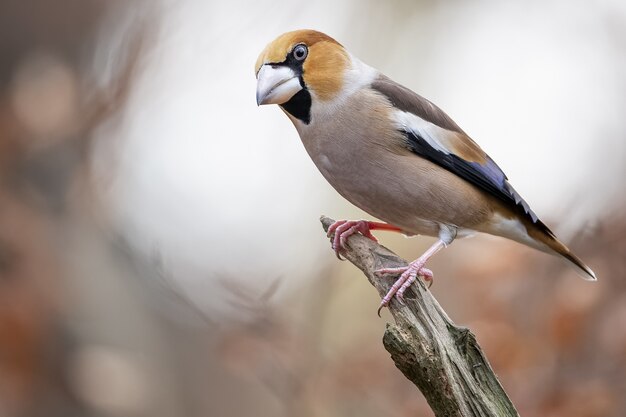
443	360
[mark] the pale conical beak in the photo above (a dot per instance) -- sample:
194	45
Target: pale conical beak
276	84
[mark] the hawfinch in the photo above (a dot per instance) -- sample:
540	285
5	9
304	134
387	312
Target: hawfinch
393	154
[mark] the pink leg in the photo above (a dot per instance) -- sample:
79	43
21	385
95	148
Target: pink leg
345	228
409	274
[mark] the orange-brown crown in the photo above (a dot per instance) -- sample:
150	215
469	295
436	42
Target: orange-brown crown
324	66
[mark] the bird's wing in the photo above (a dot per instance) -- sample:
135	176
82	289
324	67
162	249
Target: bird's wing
432	134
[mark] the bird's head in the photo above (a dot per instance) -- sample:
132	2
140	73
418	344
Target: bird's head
300	66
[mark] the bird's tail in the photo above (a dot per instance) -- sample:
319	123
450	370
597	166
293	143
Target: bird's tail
549	243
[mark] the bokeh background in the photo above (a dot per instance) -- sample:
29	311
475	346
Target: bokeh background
160	250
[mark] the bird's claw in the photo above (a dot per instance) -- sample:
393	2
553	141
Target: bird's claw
408	275
337	250
382	305
343	229
391	271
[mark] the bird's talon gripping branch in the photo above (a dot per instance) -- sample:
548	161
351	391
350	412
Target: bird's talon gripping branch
343	229
427	276
338	254
408	276
390	271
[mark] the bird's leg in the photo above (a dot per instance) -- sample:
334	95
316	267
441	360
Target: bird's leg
409	274
345	228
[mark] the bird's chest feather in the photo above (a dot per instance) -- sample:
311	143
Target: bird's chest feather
363	156
346	150
356	151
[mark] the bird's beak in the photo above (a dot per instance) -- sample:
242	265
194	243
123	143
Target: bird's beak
276	84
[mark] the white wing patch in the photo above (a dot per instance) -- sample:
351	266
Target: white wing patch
430	132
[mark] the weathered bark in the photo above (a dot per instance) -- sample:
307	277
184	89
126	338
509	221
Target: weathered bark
443	360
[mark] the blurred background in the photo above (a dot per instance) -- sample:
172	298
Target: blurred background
160	249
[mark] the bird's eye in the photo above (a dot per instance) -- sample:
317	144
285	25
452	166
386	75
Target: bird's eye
300	52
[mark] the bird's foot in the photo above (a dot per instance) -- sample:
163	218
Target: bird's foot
408	276
345	228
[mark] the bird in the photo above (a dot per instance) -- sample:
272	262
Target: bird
393	154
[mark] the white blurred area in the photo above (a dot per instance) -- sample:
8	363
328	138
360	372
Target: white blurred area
196	172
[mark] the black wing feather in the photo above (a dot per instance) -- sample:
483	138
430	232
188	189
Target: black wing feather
489	177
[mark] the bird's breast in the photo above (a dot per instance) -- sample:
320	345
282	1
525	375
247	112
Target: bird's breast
363	156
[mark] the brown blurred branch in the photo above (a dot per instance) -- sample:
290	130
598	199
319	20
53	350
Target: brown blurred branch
443	360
